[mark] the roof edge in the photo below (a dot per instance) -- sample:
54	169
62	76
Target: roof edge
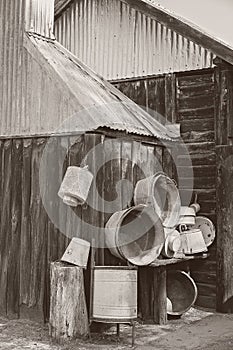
60	6
184	28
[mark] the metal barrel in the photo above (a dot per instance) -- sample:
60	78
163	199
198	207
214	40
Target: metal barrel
161	192
135	234
114	294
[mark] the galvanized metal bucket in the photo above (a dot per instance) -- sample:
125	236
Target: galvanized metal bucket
77	252
135	235
75	186
161	192
115	294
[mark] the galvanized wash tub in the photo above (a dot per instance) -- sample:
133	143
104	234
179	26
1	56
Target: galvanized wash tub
135	234
161	192
181	292
114	294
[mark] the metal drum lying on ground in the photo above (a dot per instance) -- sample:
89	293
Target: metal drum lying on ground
181	292
161	192
114	293
135	235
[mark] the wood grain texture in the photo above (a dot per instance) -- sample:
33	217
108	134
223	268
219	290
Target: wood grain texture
25	244
68	312
225	229
13	275
6	235
224	103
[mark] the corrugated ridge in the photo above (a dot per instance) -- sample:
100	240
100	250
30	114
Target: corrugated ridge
119	42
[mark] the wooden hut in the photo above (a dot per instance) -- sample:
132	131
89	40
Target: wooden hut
53	105
165	63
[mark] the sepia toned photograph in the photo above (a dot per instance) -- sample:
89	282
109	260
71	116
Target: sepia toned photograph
116	174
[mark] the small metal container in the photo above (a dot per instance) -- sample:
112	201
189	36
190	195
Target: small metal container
77	252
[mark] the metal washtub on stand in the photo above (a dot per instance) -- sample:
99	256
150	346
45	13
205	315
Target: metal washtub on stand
113	295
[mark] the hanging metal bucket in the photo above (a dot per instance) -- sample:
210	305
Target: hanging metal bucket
161	192
181	292
135	235
75	186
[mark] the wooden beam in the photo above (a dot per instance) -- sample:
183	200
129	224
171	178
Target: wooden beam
223	102
224	229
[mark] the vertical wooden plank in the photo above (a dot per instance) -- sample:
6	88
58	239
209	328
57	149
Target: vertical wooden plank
158	155
96	194
38	225
160	295
100	188
75	155
230	109
52	186
168	162
109	193
156	98
5	233
223	102
13	271
224	202
51	235
88	214
1	177
170	98
138	171
63	149
25	244
145	296
127	174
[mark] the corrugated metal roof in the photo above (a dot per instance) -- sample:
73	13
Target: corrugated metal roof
119	41
97	103
213	16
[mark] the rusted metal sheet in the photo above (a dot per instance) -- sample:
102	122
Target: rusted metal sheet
118	41
39	17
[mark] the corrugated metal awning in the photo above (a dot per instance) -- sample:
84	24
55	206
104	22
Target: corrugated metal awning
98	103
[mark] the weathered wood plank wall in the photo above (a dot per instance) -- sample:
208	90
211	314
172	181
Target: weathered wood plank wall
188	98
224	147
29	239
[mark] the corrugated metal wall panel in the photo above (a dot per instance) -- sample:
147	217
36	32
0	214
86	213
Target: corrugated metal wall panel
120	42
11	39
39	17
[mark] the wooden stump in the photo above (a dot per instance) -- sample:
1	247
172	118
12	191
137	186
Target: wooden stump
68	311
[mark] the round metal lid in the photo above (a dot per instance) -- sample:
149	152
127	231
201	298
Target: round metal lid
207	228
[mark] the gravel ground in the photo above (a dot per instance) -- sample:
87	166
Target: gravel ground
197	329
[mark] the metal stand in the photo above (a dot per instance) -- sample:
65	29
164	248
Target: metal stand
133	332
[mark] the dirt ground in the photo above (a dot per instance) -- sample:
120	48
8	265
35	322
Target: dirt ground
197	329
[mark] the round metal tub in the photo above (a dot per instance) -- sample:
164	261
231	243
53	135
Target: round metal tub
161	192
135	235
181	292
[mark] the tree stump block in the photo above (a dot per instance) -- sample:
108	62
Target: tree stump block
68	311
